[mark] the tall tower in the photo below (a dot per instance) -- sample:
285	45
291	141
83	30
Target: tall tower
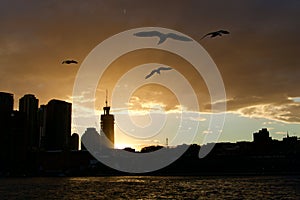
6	109
28	105
107	124
58	125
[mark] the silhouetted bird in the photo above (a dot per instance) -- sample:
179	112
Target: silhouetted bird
69	62
162	36
157	71
215	34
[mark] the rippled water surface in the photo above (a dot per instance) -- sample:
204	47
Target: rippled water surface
146	187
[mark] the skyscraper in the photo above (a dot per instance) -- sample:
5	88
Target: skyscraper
58	125
42	125
92	139
6	109
29	104
6	102
18	144
107	125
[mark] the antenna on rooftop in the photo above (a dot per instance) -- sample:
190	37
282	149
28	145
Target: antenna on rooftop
106	98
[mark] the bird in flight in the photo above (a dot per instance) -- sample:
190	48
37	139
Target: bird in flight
162	36
69	62
157	71
215	34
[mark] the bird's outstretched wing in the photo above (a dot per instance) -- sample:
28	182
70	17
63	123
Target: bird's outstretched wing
207	35
216	33
164	68
162	37
151	74
69	62
74	61
223	31
178	37
212	34
148	34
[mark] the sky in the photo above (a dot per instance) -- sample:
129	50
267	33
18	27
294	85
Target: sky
258	61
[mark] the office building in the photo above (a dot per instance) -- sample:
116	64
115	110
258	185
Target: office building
262	136
42	126
90	140
18	143
58	125
29	104
6	109
6	102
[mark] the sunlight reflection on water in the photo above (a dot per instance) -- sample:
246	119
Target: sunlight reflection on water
139	187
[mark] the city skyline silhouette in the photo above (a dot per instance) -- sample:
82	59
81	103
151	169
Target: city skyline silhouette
257	61
88	111
55	151
31	99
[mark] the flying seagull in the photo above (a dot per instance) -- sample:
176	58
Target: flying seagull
215	34
162	36
69	62
157	71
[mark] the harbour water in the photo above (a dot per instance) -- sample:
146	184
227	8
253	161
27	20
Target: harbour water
152	187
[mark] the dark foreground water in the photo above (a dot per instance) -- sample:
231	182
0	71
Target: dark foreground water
151	187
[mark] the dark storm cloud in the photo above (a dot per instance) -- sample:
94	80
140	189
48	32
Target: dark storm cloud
258	60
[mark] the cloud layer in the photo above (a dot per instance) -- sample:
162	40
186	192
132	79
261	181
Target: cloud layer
258	60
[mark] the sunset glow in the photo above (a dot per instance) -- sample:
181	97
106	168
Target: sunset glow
258	63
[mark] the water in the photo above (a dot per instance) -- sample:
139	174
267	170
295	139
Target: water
151	187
